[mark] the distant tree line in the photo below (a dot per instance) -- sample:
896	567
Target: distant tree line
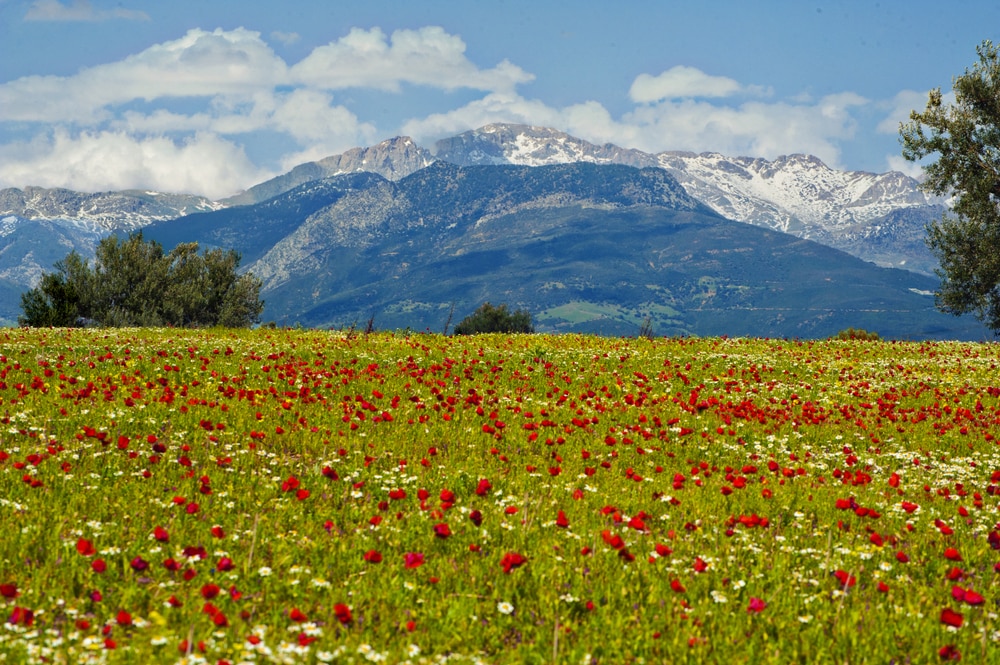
133	282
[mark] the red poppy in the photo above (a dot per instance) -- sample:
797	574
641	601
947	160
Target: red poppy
413	560
663	550
8	590
441	530
883	587
512	560
23	616
949	652
561	520
613	539
210	591
699	565
845	579
297	615
902	557
476	517
291	483
123	618
967	596
343	613
372	556
950	617
217	532
483	487
85	547
952	554
160	534
756	605
676	586
225	564
139	564
220	620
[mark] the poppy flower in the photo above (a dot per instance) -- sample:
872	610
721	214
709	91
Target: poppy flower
845	579
699	565
413	560
950	617
123	618
561	520
483	487
225	564
343	613
23	616
139	564
297	615
441	530
883	587
949	652
85	547
160	534
210	591
952	554
476	517
902	557
967	596
676	586
756	605
373	556
512	560
8	590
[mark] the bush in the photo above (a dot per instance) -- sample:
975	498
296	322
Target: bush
134	283
858	334
490	319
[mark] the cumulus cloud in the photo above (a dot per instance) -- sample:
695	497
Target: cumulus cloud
202	164
79	10
175	115
200	64
286	38
428	56
899	108
680	82
754	128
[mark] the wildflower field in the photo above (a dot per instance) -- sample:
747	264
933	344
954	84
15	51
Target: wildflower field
299	497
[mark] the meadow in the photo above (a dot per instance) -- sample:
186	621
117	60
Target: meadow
281	496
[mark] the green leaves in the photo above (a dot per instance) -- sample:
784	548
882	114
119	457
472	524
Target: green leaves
133	283
966	137
490	319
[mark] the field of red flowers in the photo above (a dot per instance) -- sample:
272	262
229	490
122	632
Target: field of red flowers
299	497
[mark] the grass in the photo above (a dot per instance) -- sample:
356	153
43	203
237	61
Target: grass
304	496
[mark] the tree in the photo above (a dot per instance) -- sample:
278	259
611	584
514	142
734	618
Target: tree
133	283
490	319
966	137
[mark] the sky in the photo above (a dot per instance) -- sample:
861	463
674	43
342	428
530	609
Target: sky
211	97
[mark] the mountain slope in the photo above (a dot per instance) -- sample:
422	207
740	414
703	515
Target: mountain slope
392	159
796	194
584	247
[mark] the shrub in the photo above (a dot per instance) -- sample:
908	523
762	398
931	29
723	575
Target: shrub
490	319
858	334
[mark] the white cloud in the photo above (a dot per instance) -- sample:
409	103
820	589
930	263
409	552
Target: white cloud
78	10
912	169
899	109
200	64
755	128
286	38
428	56
203	164
681	82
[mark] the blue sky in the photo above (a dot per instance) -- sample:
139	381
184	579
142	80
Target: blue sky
213	96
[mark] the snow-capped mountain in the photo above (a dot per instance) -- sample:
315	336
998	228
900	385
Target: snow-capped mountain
392	159
796	194
103	212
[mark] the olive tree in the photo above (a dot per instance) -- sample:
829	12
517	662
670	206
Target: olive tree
132	282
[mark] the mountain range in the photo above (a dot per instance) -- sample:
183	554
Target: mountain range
590	238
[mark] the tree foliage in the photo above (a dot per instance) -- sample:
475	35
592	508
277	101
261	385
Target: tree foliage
134	283
965	135
490	319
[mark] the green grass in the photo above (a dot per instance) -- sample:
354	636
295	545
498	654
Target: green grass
253	471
